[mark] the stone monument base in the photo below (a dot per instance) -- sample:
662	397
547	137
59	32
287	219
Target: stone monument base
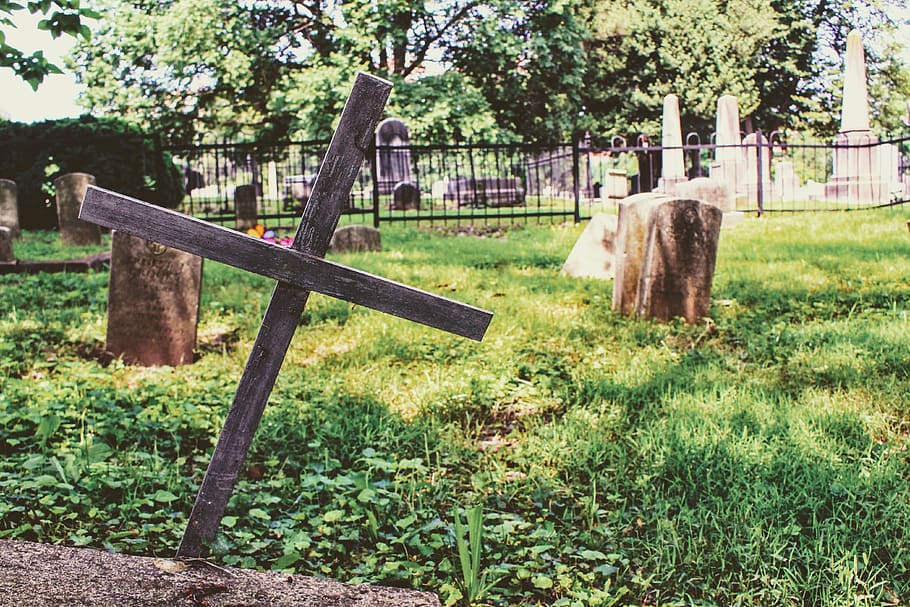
39	575
856	190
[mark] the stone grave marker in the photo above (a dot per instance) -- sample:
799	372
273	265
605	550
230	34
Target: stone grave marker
666	258
631	230
298	269
728	162
6	244
9	208
673	164
70	190
153	302
393	162
595	250
355	239
247	215
856	175
677	268
711	191
786	183
405	196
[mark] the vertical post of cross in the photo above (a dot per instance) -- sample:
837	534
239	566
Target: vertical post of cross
339	169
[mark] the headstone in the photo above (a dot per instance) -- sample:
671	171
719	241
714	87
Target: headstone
245	207
70	190
752	182
631	230
153	302
6	244
405	196
439	188
708	190
486	191
393	154
9	209
616	184
673	164
355	239
595	250
677	268
786	183
728	156
665	257
856	177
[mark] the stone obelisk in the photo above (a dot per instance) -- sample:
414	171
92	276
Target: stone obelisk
673	165
728	166
857	175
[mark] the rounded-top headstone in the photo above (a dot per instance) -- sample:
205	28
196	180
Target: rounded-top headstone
405	196
392	131
70	189
9	209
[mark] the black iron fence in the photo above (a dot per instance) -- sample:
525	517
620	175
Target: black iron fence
471	184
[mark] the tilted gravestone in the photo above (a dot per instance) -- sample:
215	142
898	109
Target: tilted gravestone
298	269
247	215
355	239
6	244
70	190
9	208
153	302
595	250
668	258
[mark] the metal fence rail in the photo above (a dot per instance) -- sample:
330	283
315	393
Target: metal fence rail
494	184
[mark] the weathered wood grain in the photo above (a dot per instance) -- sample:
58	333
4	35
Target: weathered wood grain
333	185
302	270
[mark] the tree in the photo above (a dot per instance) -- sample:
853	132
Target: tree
61	17
254	69
528	59
780	58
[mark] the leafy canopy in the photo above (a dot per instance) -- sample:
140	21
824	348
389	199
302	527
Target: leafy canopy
60	17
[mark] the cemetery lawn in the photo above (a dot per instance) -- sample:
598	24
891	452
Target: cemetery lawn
758	458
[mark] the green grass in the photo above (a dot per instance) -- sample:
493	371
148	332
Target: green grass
759	458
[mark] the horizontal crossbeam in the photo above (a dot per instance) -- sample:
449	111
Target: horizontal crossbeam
119	212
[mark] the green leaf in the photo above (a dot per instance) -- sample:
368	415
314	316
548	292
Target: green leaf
164	496
333	516
542	582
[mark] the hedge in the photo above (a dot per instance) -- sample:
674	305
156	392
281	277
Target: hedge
119	156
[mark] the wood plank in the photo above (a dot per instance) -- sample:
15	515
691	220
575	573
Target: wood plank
119	212
343	159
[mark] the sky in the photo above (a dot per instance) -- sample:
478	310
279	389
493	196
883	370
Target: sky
57	96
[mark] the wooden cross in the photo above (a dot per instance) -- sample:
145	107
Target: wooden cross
298	270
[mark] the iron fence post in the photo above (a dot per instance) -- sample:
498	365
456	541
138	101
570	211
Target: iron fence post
759	190
576	178
373	164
